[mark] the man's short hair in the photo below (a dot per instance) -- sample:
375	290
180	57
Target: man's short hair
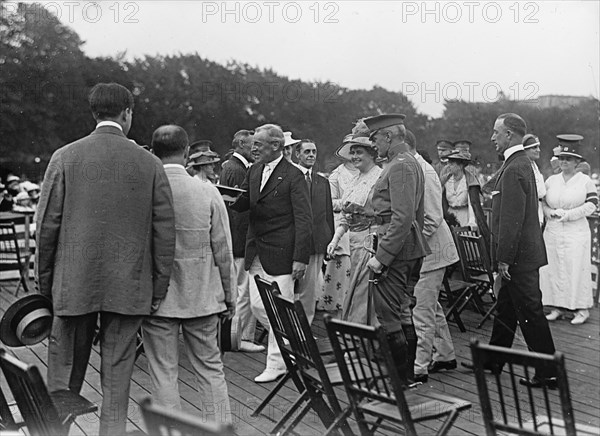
108	100
169	141
274	131
239	135
397	131
514	123
298	146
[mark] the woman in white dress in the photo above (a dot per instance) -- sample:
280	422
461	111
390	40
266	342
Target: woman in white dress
337	273
566	281
358	218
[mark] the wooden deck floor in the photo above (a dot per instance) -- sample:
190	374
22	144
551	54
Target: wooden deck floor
581	345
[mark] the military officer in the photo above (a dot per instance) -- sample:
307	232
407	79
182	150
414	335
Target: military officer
399	208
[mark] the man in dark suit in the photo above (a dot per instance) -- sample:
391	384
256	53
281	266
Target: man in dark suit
398	202
233	173
518	248
106	242
279	234
322	225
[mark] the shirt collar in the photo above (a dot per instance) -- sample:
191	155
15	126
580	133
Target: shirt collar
512	150
242	158
174	166
271	165
109	123
305	170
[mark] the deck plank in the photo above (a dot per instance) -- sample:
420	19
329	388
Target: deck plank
580	344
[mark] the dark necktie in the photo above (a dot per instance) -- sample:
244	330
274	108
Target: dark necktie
308	181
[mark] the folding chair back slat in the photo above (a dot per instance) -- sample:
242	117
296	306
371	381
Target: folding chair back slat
373	384
12	256
160	422
524	411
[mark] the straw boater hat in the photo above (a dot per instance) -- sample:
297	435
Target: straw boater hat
344	150
203	158
27	321
570	144
289	140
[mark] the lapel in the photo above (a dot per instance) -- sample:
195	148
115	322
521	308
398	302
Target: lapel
255	178
503	168
277	176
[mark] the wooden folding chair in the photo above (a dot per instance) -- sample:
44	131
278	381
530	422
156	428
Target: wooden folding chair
455	291
319	379
160	422
267	290
44	414
373	384
523	410
12	256
7	421
476	268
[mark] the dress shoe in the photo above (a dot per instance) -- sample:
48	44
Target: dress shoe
536	382
421	378
437	366
251	347
494	368
270	375
580	317
554	315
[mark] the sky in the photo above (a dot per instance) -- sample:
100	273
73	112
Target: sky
429	50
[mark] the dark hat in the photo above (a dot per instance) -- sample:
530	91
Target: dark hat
444	144
202	158
201	145
570	144
27	321
463	144
530	141
344	150
460	155
229	334
382	121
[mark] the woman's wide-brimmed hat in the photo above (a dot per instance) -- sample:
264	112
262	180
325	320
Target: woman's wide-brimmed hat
530	141
203	158
344	150
27	321
461	155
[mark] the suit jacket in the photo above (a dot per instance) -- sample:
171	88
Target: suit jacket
398	198
105	227
203	273
436	231
233	173
280	218
516	234
322	214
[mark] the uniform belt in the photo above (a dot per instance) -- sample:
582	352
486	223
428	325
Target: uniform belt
379	220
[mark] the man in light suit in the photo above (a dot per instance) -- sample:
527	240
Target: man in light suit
106	240
322	226
279	234
398	201
518	250
233	173
435	350
200	290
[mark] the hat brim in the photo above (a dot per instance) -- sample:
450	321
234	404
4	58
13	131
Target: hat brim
535	144
16	312
344	150
454	157
199	164
568	153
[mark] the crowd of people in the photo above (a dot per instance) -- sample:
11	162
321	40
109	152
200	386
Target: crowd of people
171	251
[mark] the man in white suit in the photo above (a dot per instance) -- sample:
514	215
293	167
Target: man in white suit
200	290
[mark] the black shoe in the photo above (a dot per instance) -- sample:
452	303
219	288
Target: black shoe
421	378
494	368
437	366
537	382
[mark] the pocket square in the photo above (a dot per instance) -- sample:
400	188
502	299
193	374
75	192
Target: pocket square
495	192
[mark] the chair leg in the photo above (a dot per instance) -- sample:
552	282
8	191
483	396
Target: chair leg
273	392
281	428
341	421
487	315
448	423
